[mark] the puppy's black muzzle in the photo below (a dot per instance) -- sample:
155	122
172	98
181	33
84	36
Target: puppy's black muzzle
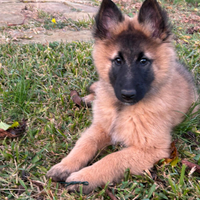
128	95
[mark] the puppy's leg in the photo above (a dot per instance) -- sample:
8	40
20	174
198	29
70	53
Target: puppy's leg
93	87
112	167
86	147
87	100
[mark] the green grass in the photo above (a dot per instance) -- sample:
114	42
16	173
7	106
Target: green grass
36	81
35	84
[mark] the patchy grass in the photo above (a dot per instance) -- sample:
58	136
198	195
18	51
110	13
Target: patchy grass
40	22
192	2
35	85
42	19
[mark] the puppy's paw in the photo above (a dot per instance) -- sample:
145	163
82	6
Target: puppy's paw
83	177
59	172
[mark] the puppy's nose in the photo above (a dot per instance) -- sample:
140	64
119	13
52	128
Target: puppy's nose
128	95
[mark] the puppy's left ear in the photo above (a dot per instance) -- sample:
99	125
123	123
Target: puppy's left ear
154	18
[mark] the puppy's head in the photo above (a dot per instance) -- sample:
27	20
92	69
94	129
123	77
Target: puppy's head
133	55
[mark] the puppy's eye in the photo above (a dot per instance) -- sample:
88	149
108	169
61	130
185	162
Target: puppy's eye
118	61
144	61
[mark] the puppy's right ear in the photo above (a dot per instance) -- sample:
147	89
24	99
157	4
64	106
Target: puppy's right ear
106	19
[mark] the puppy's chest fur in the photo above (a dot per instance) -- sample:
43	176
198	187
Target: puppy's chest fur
127	125
134	125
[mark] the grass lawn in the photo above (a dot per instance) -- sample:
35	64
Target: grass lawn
35	84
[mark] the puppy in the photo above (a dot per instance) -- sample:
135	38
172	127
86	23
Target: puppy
141	95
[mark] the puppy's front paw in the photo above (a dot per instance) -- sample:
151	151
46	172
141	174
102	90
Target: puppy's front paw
58	172
81	176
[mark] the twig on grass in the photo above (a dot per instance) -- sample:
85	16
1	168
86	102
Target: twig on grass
191	165
109	193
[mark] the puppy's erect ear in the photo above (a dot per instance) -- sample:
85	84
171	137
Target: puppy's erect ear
155	19
106	19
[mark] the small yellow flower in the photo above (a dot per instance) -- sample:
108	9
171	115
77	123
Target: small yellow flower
54	20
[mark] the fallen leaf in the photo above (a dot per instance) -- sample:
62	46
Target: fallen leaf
15	131
75	97
4	126
173	159
174	152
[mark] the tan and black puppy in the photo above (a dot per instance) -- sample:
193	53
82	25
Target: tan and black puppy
142	93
